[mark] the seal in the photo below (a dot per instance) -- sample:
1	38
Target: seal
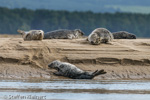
71	71
100	35
123	35
32	34
64	34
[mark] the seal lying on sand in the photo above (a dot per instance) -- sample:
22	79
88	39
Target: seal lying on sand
64	34
32	34
100	35
71	71
123	35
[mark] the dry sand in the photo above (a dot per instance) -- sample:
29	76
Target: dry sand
122	59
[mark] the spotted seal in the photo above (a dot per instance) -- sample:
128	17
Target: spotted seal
100	35
64	34
123	35
32	34
71	71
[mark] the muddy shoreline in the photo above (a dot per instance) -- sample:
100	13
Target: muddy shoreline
122	59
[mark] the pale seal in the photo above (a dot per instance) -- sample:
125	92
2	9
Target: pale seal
32	34
100	35
71	71
64	34
123	35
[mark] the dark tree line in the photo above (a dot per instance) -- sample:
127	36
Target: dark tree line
48	20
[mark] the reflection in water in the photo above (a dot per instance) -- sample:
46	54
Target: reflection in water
75	89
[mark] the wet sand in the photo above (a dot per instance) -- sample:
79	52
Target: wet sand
122	59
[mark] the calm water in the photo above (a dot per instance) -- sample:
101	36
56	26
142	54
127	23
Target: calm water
74	90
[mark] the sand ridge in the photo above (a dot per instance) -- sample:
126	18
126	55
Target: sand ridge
122	59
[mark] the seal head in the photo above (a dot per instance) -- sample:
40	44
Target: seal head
54	65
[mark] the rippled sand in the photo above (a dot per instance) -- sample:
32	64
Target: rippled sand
122	59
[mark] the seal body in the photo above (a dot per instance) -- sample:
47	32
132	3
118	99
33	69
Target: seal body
32	34
123	35
100	35
64	34
71	71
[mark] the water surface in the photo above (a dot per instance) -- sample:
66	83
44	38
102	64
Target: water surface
75	89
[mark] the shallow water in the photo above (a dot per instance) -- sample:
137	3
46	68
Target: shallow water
75	89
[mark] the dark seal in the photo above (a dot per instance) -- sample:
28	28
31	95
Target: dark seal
64	34
71	71
123	35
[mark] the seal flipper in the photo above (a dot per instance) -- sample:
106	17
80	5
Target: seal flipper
96	73
57	74
20	31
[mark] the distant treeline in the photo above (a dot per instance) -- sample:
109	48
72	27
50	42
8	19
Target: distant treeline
48	20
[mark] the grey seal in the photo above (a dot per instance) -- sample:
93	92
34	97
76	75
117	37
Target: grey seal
100	35
71	71
64	34
123	35
32	34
